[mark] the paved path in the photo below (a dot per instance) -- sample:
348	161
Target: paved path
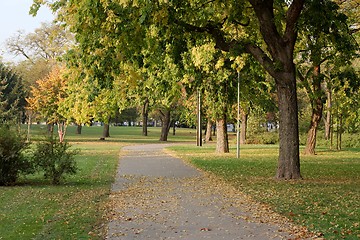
157	196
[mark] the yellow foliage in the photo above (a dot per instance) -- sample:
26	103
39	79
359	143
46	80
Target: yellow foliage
203	55
220	63
46	97
238	63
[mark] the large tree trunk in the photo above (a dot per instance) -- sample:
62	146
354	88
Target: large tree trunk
289	159
280	65
317	108
314	123
165	124
209	125
244	119
145	114
106	130
222	143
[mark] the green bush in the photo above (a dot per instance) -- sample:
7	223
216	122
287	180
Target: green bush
55	159
350	140
13	161
264	138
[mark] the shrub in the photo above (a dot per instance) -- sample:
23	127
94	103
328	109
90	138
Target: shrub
264	138
55	159
13	161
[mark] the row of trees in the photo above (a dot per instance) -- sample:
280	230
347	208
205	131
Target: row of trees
161	53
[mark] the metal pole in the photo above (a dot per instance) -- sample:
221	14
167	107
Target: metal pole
199	120
238	119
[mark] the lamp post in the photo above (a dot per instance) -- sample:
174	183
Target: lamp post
238	119
199	132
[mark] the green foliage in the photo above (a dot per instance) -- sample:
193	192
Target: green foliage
348	140
12	95
12	159
264	138
55	159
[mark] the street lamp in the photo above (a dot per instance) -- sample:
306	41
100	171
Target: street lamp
199	132
238	119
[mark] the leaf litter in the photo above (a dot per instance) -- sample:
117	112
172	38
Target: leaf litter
173	208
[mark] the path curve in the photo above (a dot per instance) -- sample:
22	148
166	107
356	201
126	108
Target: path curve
157	196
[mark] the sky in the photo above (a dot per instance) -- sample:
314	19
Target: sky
14	16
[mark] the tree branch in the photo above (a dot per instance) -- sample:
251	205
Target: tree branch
262	57
305	82
211	28
292	16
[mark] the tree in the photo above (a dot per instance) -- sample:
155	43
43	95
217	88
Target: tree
256	91
77	106
12	96
46	98
41	50
345	102
13	161
211	71
219	21
326	40
276	21
162	80
48	42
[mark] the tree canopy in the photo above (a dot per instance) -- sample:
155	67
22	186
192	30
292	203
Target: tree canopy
12	95
153	37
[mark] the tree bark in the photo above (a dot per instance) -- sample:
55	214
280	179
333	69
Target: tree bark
209	125
244	119
29	114
173	124
289	159
145	114
282	68
222	143
327	120
61	131
106	130
165	124
339	130
50	128
317	108
78	128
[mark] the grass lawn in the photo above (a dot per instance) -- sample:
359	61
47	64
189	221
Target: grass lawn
35	209
327	201
76	209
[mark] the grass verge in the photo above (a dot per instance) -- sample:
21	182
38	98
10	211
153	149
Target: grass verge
34	209
76	209
327	201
